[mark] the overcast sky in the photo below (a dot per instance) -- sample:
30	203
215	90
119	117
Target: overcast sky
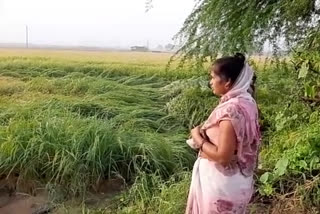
112	23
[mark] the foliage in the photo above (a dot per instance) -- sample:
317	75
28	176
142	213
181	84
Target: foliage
219	26
72	123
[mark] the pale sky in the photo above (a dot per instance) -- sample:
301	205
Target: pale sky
113	23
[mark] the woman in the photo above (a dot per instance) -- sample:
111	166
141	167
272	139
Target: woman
222	178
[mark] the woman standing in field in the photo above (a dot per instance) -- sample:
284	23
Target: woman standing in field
222	178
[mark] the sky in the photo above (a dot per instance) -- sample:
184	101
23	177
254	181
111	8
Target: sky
102	23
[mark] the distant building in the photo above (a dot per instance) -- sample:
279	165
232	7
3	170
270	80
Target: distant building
139	48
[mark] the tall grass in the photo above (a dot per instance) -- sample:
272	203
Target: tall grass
74	121
290	131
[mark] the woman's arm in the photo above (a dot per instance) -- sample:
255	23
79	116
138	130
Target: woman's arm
223	153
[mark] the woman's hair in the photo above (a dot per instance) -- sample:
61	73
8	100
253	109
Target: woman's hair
230	67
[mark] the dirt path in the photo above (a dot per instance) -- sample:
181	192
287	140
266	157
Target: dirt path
13	201
22	203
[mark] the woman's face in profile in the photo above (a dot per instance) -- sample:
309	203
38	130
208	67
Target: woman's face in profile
218	85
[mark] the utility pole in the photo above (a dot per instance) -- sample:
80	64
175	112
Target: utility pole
27	37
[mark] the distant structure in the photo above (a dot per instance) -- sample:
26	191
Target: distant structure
139	48
27	36
170	47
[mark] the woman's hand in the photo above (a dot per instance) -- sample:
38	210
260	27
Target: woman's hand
196	137
204	155
195	132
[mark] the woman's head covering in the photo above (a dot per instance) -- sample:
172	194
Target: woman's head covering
242	85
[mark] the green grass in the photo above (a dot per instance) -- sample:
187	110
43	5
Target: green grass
70	122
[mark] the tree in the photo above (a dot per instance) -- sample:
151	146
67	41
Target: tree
227	26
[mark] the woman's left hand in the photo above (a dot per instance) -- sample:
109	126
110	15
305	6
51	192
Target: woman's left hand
195	132
196	136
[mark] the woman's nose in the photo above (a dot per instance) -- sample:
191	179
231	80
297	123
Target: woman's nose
209	84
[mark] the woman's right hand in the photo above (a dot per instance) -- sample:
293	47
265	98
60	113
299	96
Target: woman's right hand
203	155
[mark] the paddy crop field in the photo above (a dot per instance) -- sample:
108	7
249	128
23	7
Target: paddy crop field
110	128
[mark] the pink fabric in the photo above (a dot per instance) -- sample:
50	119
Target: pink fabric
216	189
243	115
212	192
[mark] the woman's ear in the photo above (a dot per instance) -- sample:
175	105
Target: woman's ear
228	84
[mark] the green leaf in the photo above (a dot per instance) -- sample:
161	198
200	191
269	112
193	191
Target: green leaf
281	167
265	177
314	162
309	91
266	189
313	91
303	70
294	117
318	66
306	90
303	164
